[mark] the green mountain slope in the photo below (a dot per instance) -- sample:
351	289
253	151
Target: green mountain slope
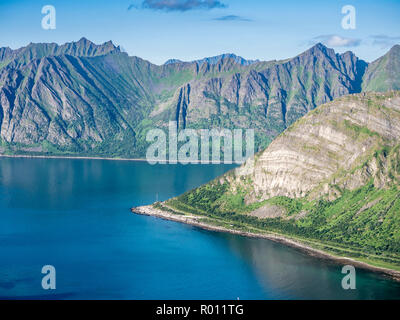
265	96
86	99
384	74
81	48
72	104
331	179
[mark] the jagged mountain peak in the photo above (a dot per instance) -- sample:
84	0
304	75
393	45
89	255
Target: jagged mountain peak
81	48
319	46
394	52
319	49
395	48
5	52
84	40
85	47
216	59
173	61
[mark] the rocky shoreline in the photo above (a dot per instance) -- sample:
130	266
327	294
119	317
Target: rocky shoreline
68	157
194	221
28	156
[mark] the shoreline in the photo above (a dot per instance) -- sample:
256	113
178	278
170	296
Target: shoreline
194	221
167	161
69	157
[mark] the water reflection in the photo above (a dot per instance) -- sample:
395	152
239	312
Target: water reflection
75	214
291	273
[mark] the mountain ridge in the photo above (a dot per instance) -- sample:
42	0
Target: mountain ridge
86	99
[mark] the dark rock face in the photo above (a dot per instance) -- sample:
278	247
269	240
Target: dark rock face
83	98
271	96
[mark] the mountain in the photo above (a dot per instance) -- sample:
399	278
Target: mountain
172	61
86	99
81	48
58	102
267	96
331	179
384	73
216	60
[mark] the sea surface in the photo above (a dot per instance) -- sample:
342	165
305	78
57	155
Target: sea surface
74	215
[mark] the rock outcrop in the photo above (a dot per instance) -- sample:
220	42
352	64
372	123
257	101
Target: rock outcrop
333	145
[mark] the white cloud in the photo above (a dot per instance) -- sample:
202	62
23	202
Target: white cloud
384	41
332	40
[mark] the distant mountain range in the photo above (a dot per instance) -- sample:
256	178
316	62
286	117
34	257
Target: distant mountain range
217	59
86	99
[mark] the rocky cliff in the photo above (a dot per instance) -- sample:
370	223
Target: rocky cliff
330	149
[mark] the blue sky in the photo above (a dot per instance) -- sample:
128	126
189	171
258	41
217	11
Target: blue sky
158	30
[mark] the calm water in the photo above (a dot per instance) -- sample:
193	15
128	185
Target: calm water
74	215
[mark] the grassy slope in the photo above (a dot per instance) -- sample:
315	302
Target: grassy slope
383	74
339	227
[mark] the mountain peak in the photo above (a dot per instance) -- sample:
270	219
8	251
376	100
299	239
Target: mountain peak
383	73
90	47
84	40
318	49
224	56
81	48
172	61
216	59
395	48
320	46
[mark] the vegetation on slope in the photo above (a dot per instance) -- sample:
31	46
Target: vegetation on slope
87	99
384	73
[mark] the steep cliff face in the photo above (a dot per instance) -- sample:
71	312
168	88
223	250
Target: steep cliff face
271	96
83	98
182	105
339	147
81	48
72	103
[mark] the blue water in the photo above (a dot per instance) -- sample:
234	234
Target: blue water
74	215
